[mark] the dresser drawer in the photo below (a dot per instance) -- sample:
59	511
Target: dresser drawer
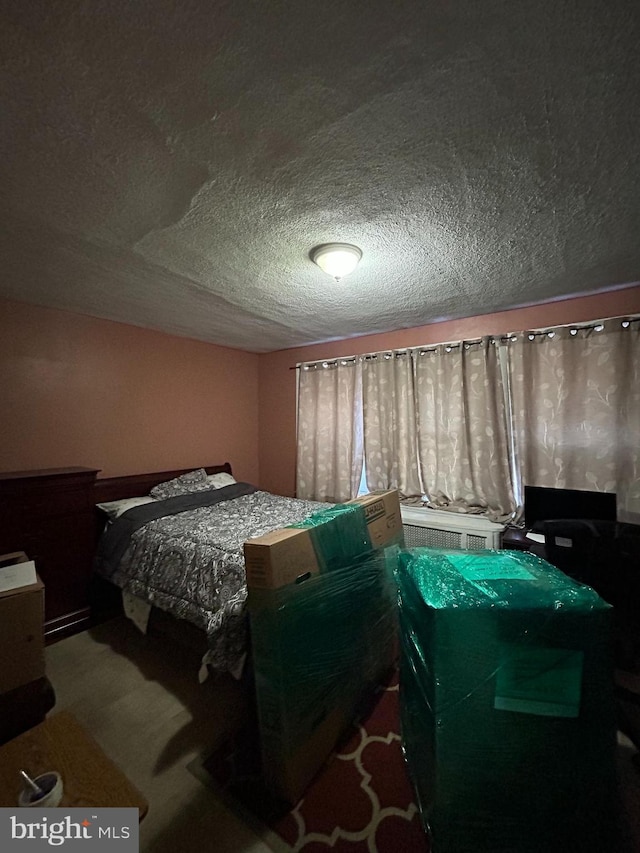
41	503
43	532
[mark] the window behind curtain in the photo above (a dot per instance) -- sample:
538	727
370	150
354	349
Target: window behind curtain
471	422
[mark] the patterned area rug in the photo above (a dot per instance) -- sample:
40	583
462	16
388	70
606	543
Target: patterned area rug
360	801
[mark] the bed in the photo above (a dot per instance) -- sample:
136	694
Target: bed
174	540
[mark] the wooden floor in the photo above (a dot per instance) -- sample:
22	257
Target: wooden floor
141	700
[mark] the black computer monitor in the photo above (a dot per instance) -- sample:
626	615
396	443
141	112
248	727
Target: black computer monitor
546	504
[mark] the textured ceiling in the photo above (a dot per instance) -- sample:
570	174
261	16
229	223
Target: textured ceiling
170	163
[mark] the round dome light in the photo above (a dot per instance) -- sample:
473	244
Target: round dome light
336	259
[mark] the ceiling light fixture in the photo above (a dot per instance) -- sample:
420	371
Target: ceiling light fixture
336	259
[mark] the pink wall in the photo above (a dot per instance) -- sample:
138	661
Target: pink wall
278	383
82	391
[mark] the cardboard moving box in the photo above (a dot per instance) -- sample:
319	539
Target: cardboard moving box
320	649
289	555
322	603
21	632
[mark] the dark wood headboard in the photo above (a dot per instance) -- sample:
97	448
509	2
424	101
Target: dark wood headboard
137	485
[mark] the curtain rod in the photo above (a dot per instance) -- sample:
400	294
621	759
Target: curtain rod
625	322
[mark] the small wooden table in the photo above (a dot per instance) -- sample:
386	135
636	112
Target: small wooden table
60	743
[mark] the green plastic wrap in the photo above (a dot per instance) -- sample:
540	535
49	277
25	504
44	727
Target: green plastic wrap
320	647
339	535
506	691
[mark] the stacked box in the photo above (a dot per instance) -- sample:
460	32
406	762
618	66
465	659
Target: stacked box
21	629
506	691
323	632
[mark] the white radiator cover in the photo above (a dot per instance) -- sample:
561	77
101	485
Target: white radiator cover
440	529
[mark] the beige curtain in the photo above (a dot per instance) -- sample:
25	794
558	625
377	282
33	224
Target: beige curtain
462	429
390	439
576	409
329	456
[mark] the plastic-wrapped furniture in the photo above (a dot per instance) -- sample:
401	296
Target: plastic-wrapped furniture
507	711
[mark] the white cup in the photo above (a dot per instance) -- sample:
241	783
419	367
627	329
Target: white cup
51	786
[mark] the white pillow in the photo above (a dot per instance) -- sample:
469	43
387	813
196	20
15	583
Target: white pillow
115	508
219	481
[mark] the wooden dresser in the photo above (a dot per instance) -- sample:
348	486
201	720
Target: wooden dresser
50	515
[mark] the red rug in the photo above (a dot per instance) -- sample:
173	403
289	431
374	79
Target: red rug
360	801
